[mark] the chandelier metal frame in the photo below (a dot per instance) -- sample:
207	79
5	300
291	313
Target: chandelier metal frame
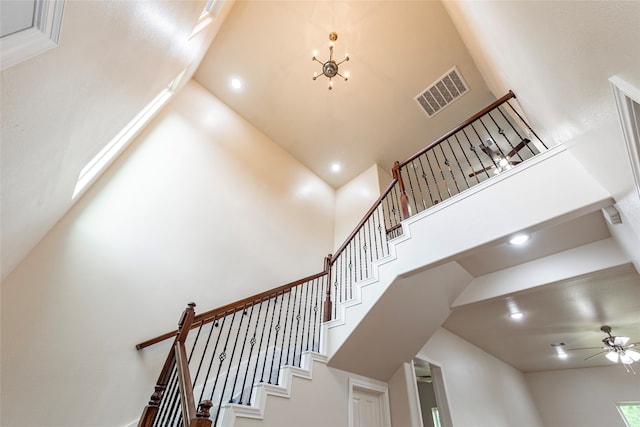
330	68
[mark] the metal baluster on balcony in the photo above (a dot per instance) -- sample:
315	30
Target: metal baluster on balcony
435	180
424	176
464	175
448	165
483	168
527	125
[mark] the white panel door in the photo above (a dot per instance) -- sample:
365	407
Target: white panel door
367	411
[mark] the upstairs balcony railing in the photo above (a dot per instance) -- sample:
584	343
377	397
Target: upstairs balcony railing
247	342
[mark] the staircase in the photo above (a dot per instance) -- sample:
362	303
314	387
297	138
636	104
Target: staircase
395	271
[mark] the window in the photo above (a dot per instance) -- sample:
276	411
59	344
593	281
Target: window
100	161
210	11
630	412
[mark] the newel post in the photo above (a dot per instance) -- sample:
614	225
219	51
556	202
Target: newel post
327	300
404	205
150	411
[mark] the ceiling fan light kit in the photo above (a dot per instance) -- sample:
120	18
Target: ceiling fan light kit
617	349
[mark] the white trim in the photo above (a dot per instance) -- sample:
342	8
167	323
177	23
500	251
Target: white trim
374	387
627	98
44	35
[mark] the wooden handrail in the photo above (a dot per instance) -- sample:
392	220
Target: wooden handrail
363	220
211	315
462	125
151	409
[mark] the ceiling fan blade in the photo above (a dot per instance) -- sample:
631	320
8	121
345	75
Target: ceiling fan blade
587	348
518	147
474	173
597	354
620	340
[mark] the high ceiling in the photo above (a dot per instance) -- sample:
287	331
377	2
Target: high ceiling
396	49
556	56
399	48
568	311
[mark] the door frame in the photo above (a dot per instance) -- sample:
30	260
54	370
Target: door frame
373	387
438	387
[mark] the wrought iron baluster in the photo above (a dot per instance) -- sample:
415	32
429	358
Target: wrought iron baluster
317	304
293	311
273	313
464	175
359	254
295	336
304	321
526	124
483	168
502	132
284	331
375	237
311	307
446	162
244	342
481	142
415	172
467	158
444	180
413	194
435	180
502	153
424	176
253	343
223	357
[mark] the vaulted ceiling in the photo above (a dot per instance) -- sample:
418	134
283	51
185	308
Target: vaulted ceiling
58	109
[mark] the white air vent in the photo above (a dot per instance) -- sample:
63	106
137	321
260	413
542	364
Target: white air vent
443	92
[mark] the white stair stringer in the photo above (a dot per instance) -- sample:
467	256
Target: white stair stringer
424	258
374	278
230	411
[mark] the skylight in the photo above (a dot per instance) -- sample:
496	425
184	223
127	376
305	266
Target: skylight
100	161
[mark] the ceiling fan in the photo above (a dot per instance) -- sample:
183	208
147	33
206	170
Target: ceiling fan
617	349
500	162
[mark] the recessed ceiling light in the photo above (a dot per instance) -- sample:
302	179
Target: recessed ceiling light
519	239
236	83
563	355
335	167
516	316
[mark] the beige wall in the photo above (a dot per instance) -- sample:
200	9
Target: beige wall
403	398
202	207
481	390
583	397
322	402
60	108
354	199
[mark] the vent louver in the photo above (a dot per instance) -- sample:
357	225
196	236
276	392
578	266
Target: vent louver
443	92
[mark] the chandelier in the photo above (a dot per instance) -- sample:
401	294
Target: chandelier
330	68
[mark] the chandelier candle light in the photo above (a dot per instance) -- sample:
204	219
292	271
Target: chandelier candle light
330	68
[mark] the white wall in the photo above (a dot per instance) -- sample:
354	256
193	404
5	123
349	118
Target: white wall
481	390
322	402
403	398
60	108
355	198
561	76
201	208
583	397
